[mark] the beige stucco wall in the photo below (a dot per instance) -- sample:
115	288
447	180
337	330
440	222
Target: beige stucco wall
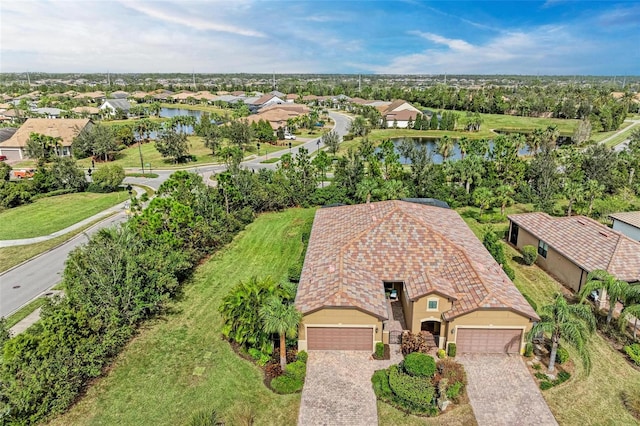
338	317
556	264
420	313
490	318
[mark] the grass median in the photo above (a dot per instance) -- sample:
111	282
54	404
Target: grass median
51	214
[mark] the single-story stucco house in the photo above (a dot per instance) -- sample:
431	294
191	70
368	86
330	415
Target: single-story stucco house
628	223
64	128
446	282
571	247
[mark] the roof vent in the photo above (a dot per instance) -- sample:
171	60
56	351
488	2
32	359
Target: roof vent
581	222
604	234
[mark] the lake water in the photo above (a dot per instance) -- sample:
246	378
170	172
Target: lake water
432	150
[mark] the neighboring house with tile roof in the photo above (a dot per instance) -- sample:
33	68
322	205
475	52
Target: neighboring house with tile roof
571	247
398	113
65	128
628	223
446	282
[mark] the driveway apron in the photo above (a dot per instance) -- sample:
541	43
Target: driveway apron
502	392
337	389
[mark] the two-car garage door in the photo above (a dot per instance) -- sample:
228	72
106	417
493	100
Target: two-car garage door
340	338
488	340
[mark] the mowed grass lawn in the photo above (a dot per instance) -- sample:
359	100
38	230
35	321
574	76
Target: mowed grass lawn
51	214
583	400
179	364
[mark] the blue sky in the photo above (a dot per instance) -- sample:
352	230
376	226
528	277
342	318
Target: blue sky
391	37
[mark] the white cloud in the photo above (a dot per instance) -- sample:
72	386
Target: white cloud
542	50
175	17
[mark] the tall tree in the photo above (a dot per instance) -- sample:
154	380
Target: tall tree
332	141
283	319
239	133
543	178
173	145
42	147
503	196
209	132
574	192
97	140
444	146
592	191
571	324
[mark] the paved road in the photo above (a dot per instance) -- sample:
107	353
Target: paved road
622	145
26	282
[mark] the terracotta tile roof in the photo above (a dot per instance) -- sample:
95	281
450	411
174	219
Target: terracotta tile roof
264	99
587	243
65	128
354	249
403	115
631	218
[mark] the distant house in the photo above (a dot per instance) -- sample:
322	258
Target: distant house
86	111
628	223
48	112
399	113
97	96
64	128
119	94
263	101
291	97
571	247
116	104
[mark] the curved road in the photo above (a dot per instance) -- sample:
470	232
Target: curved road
22	284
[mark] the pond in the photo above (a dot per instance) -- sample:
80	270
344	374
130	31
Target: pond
176	112
432	149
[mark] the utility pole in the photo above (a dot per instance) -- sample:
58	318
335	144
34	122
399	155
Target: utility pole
28	78
194	80
360	83
108	79
275	87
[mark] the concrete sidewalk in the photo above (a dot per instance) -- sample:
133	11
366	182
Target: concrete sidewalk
103	214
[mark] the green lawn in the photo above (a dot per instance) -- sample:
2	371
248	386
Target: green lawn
152	382
620	137
51	214
599	136
583	400
12	256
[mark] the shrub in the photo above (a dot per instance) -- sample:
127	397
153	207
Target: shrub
441	353
633	352
205	418
273	370
454	391
562	355
419	365
260	358
528	349
302	356
509	271
451	350
291	355
294	273
541	376
529	254
536	366
380	381
546	385
414	343
296	370
416	391
379	354
286	384
563	376
109	177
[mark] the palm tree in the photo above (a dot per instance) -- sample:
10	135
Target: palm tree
281	318
534	140
609	284
570	323
631	310
463	144
573	191
503	195
365	189
445	146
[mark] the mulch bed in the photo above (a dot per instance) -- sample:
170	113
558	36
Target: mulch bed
386	356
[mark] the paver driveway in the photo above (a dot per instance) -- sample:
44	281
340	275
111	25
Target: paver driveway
502	392
337	389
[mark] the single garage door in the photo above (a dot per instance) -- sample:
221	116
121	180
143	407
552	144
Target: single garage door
341	339
488	340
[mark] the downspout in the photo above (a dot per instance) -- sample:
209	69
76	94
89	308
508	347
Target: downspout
580	283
